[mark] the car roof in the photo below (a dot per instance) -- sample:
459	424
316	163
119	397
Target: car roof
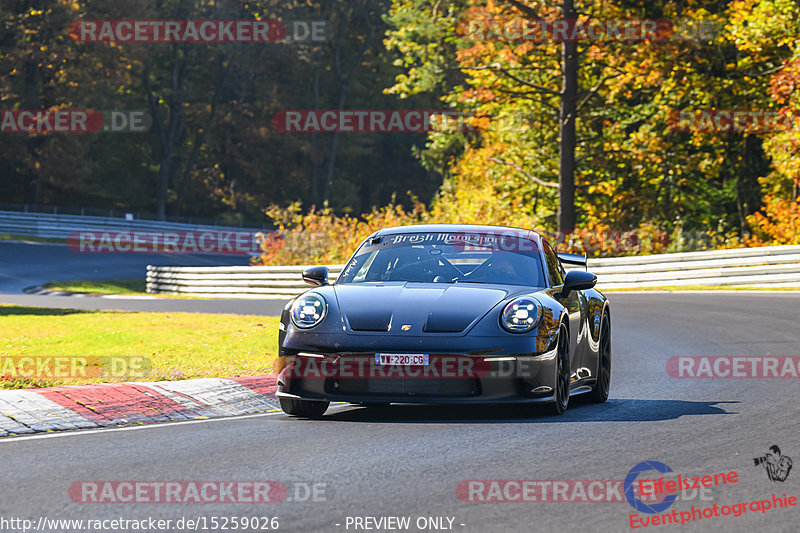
455	228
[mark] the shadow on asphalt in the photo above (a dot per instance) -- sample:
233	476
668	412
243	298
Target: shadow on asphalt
39	311
614	410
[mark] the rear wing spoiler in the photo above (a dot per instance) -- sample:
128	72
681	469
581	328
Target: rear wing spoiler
573	259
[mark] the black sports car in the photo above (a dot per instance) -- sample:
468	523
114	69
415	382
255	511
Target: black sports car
446	314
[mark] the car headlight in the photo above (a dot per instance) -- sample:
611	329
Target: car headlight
521	315
308	310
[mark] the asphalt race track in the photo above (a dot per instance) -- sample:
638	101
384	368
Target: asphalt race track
25	265
407	461
162	305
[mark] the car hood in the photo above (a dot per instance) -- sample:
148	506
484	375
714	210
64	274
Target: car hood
406	308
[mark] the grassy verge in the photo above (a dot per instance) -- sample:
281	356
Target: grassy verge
159	345
115	286
124	287
701	288
26	238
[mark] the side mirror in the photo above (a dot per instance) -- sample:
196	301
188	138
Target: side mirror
578	280
316	276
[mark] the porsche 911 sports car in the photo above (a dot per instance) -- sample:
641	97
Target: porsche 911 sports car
447	314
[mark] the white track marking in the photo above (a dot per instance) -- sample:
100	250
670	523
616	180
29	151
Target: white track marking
109	430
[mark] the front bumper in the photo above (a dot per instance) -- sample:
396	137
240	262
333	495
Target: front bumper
450	378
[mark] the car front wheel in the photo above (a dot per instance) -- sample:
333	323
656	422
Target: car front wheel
303	408
562	374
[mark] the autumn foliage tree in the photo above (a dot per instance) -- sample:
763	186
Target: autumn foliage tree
634	169
778	222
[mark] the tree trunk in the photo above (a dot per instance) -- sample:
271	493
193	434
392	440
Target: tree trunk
334	149
569	99
344	87
316	165
200	137
32	100
168	133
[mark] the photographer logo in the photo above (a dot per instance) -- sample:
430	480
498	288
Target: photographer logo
777	466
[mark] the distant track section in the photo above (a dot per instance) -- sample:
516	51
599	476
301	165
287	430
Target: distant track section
51	226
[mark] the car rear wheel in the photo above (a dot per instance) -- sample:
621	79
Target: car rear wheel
562	374
303	408
601	389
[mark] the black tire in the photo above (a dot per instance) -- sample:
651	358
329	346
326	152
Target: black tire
304	408
562	375
601	389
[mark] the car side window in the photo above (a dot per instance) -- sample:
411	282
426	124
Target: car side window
554	267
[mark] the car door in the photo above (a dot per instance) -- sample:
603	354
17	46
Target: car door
573	303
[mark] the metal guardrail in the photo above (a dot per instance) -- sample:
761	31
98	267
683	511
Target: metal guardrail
125	214
773	266
768	266
60	226
272	282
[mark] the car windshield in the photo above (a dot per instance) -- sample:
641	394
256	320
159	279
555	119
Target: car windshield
447	258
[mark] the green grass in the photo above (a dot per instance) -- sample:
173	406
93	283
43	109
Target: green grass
701	288
26	238
169	345
115	286
125	287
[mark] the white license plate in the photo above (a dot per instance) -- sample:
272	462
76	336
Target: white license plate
401	359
